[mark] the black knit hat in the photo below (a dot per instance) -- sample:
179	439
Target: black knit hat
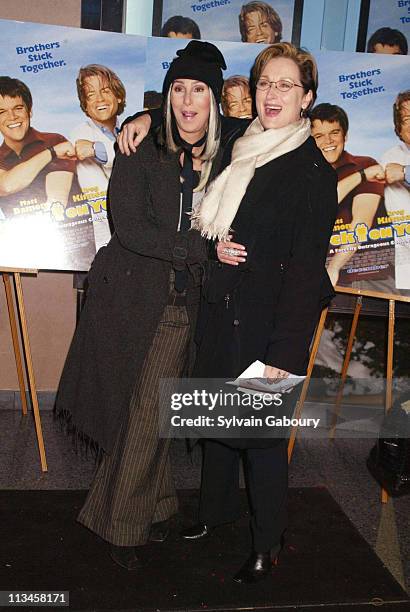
200	61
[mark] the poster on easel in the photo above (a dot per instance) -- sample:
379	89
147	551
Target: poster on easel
384	27
230	20
63	94
355	128
361	124
49	216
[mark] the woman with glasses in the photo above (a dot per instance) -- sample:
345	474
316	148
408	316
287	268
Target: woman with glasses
272	212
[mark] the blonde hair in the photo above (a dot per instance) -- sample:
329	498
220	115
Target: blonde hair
212	140
303	59
105	74
237	80
267	11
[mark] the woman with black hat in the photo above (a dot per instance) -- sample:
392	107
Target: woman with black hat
141	308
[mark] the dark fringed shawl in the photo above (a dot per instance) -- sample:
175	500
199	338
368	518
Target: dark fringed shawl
83	445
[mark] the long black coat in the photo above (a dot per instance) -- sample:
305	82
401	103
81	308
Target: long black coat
128	291
267	308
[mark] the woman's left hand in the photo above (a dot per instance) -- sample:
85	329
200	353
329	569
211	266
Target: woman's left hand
274	375
231	253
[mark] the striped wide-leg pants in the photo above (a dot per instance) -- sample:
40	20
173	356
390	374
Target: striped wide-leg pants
133	487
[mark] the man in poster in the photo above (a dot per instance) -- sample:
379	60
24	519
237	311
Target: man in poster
102	98
35	167
396	162
236	100
180	27
259	23
38	226
360	194
388	42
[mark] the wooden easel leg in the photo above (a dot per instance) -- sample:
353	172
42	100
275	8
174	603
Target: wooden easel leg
15	339
303	394
345	367
389	374
30	371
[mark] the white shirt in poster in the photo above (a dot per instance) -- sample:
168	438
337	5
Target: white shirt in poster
397	198
93	177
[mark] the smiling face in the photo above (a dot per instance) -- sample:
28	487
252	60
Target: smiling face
14	119
275	108
329	138
101	102
238	102
258	28
190	101
405	122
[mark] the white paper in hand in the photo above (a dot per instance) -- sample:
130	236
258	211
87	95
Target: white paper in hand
252	380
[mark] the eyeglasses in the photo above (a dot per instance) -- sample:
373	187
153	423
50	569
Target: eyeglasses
282	85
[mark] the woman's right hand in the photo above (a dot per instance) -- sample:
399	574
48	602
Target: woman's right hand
226	257
133	133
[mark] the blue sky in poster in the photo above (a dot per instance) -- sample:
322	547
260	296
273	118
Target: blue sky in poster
221	22
55	103
371	116
389	13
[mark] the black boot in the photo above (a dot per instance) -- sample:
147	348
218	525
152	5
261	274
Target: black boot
126	557
257	567
197	532
159	531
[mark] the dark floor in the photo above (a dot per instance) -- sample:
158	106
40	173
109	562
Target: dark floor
313	572
340	466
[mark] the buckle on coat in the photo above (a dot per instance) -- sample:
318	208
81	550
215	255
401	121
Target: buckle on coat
180	252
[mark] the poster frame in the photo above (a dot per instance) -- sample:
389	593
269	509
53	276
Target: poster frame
363	26
105	15
296	26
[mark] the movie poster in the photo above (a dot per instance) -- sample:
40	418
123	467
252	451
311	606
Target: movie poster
370	246
52	203
57	145
385	16
231	20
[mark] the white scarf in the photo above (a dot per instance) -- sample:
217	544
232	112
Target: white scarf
255	148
